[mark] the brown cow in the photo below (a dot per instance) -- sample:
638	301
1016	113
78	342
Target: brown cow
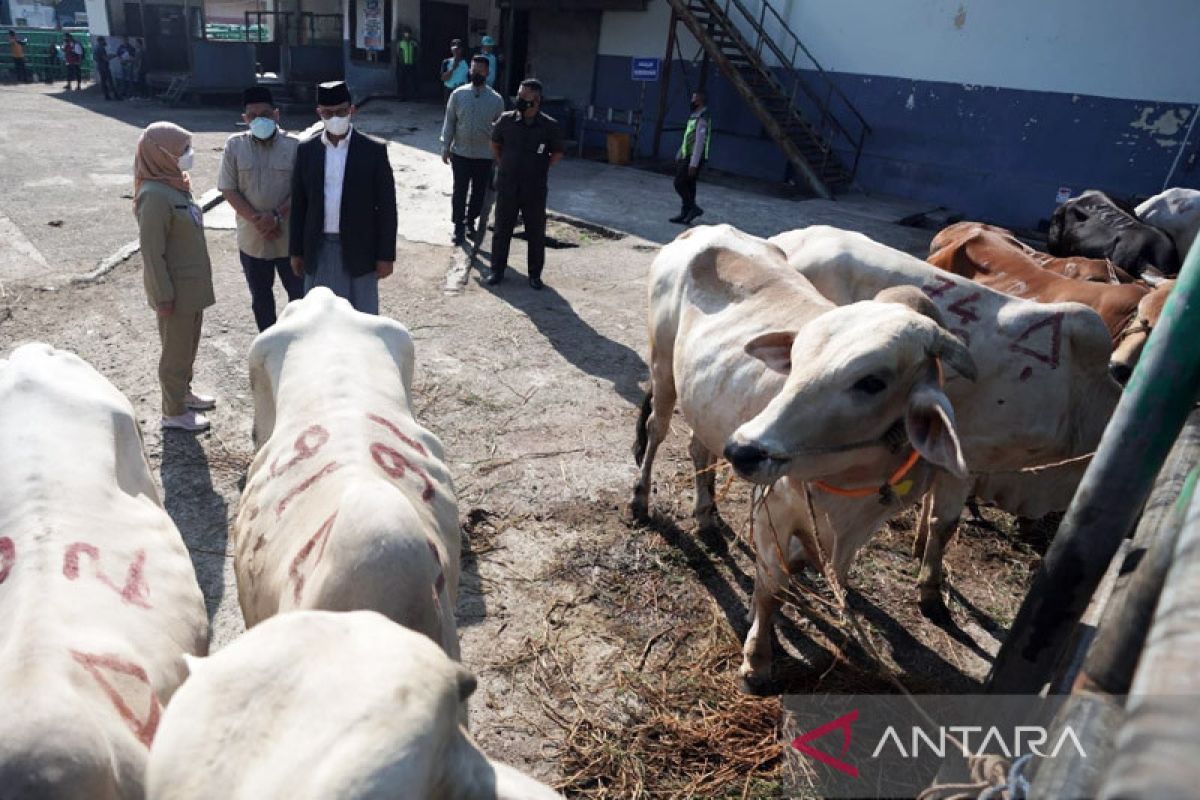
994	258
1099	270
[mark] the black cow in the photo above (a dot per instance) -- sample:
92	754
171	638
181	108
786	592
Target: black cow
1095	225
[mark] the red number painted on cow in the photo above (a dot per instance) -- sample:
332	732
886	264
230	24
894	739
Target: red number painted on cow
8	557
396	466
1050	355
962	309
135	591
305	485
306	446
415	445
317	541
143	729
941	286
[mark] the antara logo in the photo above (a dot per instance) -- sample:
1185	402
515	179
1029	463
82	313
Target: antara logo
842	723
1025	739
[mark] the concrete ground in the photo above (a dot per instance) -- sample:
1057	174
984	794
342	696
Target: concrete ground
534	395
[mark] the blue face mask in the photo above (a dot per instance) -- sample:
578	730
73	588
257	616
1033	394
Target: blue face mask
262	127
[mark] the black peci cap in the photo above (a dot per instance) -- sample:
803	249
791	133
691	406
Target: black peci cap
333	93
257	94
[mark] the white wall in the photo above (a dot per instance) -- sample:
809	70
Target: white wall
1135	49
642	34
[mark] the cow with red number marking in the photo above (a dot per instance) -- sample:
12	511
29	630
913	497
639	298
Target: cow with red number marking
348	503
327	706
1043	394
98	597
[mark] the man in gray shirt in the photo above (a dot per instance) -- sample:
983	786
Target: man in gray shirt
466	144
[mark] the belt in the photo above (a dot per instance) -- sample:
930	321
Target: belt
331	237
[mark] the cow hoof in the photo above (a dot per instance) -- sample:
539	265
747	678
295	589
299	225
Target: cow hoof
708	522
755	682
638	509
933	608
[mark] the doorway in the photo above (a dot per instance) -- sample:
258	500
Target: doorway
440	22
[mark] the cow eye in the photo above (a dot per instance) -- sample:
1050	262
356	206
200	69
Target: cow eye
869	385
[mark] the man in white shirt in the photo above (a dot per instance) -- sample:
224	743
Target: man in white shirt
343	220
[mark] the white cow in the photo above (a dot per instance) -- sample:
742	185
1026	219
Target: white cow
318	705
98	598
743	342
1043	394
1176	211
348	503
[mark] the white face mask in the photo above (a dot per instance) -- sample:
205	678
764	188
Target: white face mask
262	127
185	160
337	126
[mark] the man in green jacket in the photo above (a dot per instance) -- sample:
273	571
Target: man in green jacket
693	152
406	65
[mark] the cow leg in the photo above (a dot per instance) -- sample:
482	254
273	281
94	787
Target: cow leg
705	510
661	403
946	508
772	540
922	533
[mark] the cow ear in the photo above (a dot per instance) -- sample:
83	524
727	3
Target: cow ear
929	422
773	349
466	683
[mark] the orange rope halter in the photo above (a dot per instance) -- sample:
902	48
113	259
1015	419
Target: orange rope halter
866	491
895	485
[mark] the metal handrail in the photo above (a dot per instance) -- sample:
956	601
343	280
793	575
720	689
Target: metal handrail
829	120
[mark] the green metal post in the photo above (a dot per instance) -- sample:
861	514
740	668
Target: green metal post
1152	410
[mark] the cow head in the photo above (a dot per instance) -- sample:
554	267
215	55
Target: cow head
852	373
1132	339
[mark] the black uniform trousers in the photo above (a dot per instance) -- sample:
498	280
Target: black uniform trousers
475	173
530	202
107	83
685	184
406	81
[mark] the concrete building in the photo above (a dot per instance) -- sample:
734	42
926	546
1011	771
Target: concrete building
993	109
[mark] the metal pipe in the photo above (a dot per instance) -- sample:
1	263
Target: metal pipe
665	85
1110	663
1143	429
1156	747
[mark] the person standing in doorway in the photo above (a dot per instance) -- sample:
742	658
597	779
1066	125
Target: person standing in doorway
526	143
343	221
488	51
466	145
256	181
17	49
406	65
104	69
692	155
455	68
125	55
139	68
73	55
178	274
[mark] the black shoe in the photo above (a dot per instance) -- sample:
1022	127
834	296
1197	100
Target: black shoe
680	218
691	216
458	234
536	283
493	278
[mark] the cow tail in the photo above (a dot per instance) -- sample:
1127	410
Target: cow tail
639	446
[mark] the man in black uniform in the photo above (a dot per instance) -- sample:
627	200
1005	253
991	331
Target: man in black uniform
526	143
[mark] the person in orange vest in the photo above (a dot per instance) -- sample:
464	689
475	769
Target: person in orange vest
17	48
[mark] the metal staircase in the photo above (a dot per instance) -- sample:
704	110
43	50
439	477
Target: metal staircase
806	114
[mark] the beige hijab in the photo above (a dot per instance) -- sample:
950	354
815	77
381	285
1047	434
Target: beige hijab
157	159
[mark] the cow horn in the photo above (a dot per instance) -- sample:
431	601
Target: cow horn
951	350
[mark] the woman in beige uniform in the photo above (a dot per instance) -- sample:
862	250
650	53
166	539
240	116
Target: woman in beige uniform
178	274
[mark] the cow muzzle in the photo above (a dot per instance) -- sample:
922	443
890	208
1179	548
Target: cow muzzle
754	463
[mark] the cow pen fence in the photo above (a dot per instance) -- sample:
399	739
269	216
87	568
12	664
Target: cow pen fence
1126	558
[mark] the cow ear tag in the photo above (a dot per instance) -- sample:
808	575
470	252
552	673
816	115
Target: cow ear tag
903	487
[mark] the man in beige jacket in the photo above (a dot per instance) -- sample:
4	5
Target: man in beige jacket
178	274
